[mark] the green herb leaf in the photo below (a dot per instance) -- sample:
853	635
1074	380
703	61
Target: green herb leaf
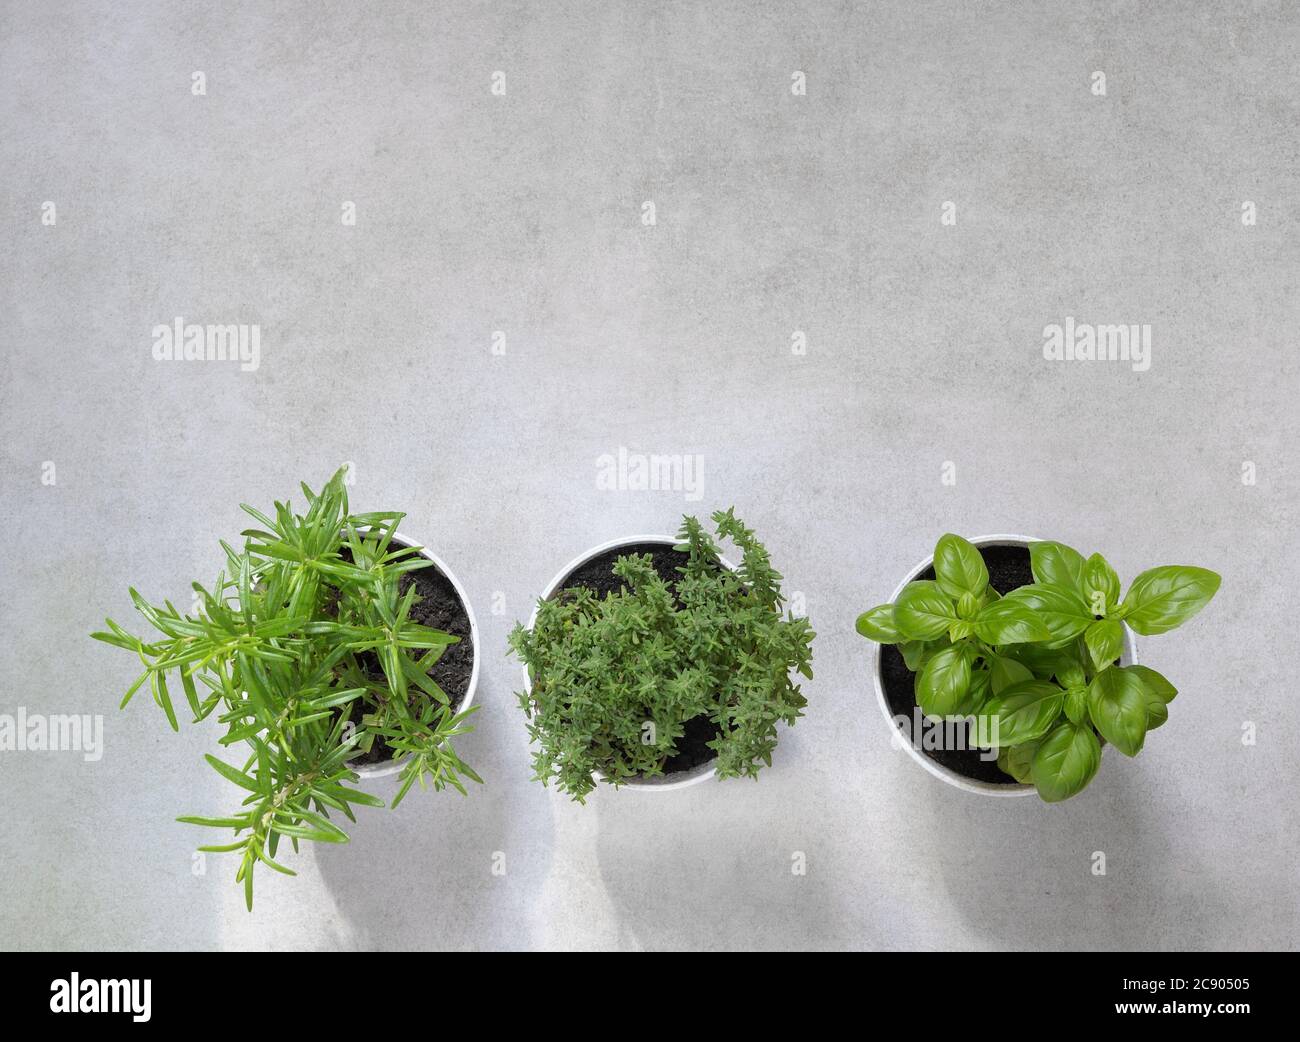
1065	762
1163	598
1076	705
1024	711
233	774
1007	671
915	652
878	625
1009	621
1105	641
978	694
1117	705
1017	761
1154	682
923	611
1100	584
1057	564
943	683
1158	692
1068	670
959	630
1061	609
959	568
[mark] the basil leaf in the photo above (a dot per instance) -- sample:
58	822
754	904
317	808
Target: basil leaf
1007	671
1017	760
1099	577
1009	621
1024	711
1057	564
1117	704
1065	762
1076	705
878	625
958	567
967	605
1165	597
943	683
1062	609
1040	659
914	653
1154	682
1159	693
977	695
923	611
1105	640
1068	671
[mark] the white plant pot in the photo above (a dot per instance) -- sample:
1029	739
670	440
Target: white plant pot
1127	658
387	768
660	783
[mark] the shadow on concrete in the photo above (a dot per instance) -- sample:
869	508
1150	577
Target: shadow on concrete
445	871
1021	873
716	866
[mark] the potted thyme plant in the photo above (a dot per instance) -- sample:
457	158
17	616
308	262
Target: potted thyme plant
655	663
313	649
1025	646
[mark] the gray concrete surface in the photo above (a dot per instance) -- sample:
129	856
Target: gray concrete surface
775	212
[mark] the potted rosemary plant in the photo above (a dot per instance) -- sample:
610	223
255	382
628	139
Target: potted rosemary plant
314	650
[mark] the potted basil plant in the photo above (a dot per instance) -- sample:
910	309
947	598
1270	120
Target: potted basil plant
1007	663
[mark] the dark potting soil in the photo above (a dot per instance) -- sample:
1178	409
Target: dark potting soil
437	606
1008	568
598	576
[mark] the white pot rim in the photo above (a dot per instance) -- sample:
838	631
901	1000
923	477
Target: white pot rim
945	774
387	768
660	783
